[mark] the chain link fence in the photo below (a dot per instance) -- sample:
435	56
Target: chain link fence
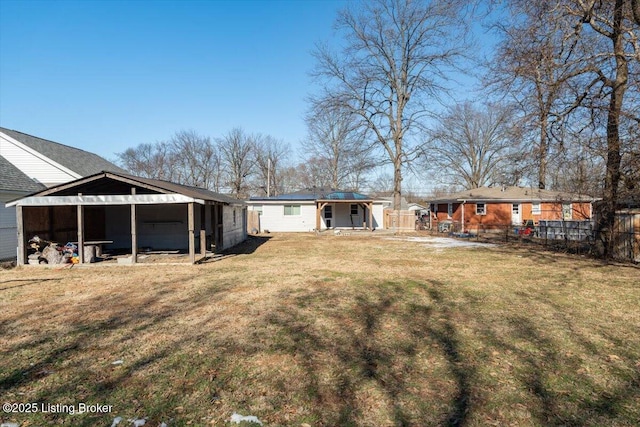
570	236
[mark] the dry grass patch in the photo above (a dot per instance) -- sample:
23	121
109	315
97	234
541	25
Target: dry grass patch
327	331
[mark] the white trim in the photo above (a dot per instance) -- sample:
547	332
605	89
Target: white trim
39	155
125	199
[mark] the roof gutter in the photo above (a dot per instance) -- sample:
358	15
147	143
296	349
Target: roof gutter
107	200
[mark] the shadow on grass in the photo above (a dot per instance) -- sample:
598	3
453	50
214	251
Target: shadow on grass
402	352
373	357
249	246
24	282
55	364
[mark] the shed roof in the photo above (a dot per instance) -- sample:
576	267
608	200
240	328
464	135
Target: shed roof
98	181
80	161
14	180
506	194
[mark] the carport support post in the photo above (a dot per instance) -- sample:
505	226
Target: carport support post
370	205
80	232
192	246
22	248
203	231
134	231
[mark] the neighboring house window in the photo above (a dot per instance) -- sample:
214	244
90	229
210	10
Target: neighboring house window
292	209
566	211
234	217
354	209
450	209
481	209
535	208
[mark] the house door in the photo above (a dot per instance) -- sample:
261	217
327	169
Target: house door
516	214
328	216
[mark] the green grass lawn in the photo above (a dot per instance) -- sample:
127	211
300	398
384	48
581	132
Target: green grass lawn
300	330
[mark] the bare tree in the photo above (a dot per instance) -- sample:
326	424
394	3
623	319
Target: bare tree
334	136
392	69
533	63
149	161
471	146
237	149
197	162
270	155
314	172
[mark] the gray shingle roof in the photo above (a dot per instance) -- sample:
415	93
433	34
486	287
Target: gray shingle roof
506	194
195	192
13	179
80	161
153	184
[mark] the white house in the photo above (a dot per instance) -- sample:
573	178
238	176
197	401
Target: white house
317	209
13	184
29	164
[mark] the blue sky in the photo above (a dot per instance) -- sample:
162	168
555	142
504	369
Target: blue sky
108	75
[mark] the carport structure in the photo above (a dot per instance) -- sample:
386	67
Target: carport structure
131	212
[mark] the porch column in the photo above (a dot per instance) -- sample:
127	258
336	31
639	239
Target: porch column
370	206
192	246
134	230
80	210
319	213
22	248
203	231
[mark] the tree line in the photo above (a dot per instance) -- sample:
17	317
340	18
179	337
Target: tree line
244	164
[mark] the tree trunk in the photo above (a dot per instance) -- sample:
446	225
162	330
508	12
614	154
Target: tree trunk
612	179
397	183
543	152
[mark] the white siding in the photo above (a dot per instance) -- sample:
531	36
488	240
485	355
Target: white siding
378	215
8	227
274	219
33	164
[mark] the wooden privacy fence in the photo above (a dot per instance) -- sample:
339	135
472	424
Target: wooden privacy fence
400	220
626	232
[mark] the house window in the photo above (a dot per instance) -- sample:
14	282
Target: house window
450	209
234	217
535	208
354	209
481	209
567	211
292	210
